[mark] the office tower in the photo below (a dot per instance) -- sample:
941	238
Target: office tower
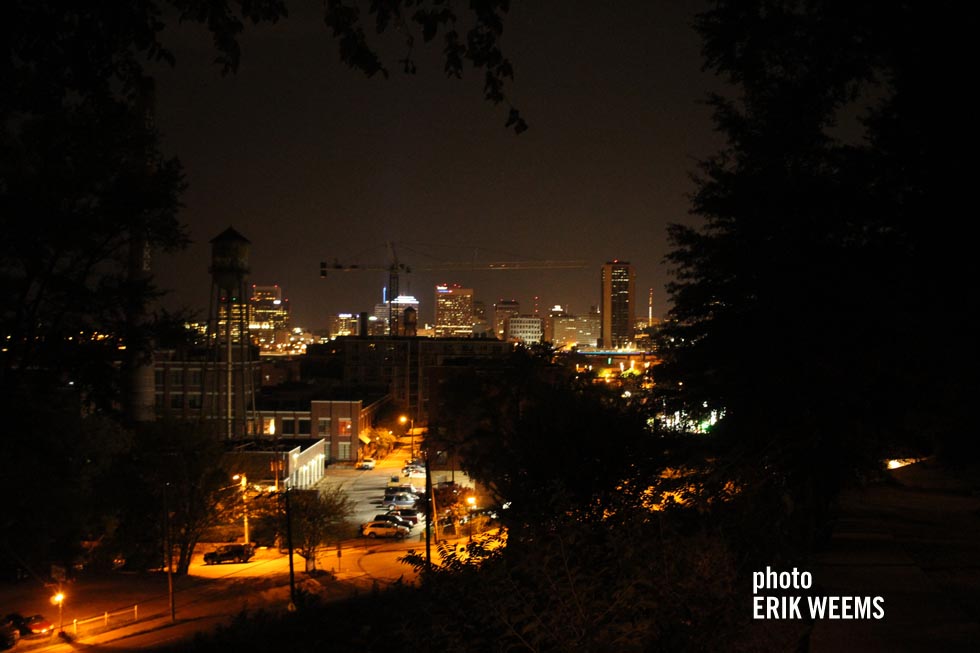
454	311
555	313
481	325
344	324
502	310
269	319
580	331
524	328
397	308
618	303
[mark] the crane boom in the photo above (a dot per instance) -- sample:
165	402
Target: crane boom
505	265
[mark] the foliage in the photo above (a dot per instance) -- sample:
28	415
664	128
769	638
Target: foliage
642	583
176	470
536	440
479	44
819	261
624	585
319	517
60	467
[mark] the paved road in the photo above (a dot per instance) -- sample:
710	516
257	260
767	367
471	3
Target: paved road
212	594
914	541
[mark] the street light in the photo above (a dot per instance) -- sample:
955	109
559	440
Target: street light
411	431
59	599
471	504
244	500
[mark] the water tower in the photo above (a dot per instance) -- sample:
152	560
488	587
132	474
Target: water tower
410	321
232	399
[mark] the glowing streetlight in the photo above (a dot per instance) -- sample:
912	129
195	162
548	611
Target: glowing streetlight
403	420
471	504
244	500
59	599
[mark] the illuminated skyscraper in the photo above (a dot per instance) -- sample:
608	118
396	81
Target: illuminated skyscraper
398	306
269	316
454	312
618	294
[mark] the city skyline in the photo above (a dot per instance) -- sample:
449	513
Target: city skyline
313	162
539	308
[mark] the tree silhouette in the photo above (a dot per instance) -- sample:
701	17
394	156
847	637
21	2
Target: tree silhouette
805	301
319	517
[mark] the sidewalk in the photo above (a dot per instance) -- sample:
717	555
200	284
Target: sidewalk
913	540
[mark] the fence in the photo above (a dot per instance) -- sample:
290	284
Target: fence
106	621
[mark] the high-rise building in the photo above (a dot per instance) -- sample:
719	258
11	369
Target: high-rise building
454	311
555	313
502	310
580	331
618	294
524	328
481	325
398	306
344	324
233	304
269	318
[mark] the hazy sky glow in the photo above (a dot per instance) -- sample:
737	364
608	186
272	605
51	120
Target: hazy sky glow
312	161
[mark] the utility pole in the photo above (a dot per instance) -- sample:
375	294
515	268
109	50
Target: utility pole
289	543
168	545
429	510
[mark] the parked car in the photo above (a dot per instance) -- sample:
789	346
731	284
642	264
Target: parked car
383	529
9	633
394	519
393	492
33	625
406	488
366	463
404	481
400	501
410	515
413	471
229	553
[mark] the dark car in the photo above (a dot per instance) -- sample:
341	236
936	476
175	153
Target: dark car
9	633
33	625
229	553
409	515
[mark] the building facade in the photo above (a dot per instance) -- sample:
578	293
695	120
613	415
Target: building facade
269	316
454	311
524	329
398	306
502	310
401	366
618	295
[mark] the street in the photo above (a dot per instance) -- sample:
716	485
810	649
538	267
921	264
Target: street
125	611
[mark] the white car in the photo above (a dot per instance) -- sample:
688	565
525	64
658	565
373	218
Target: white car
374	529
367	463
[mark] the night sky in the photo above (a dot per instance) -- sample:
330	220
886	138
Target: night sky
312	161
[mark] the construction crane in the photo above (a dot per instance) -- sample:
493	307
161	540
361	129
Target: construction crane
394	268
